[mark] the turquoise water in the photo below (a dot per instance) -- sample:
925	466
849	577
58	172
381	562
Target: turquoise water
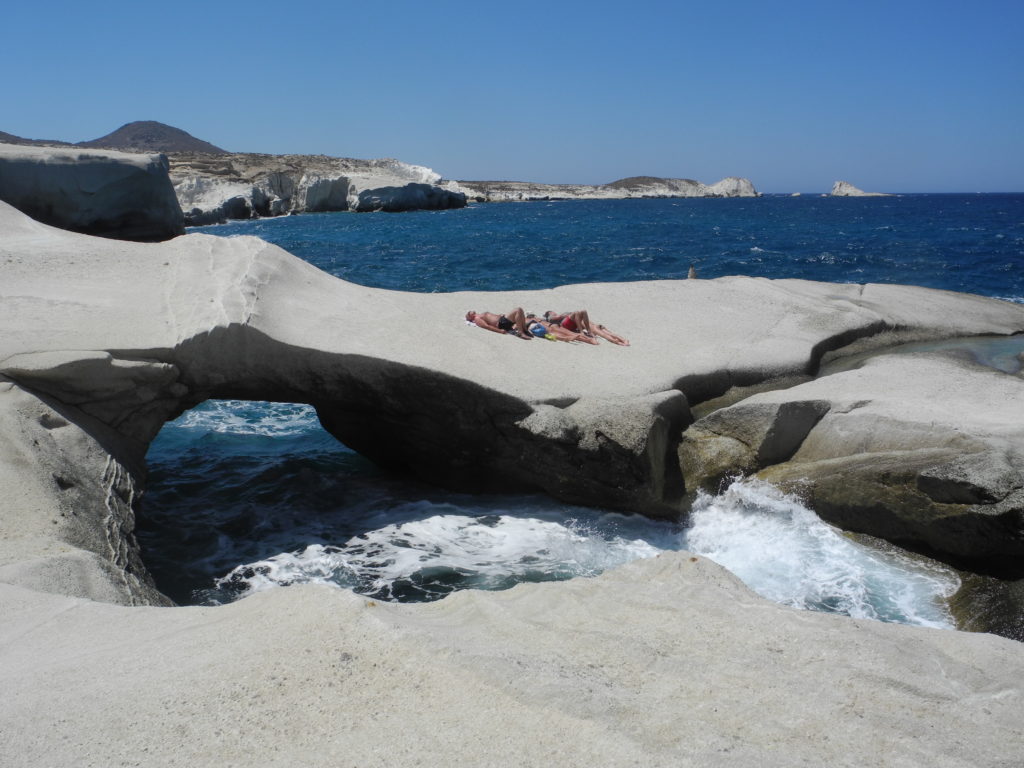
250	496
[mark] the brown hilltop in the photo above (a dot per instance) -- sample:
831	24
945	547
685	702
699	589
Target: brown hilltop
139	136
151	136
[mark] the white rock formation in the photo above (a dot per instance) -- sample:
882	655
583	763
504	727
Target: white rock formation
99	192
128	335
732	186
214	188
634	187
846	189
665	661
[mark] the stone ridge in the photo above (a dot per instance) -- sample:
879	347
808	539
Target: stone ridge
10	138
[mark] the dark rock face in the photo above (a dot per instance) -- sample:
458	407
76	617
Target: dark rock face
98	193
985	604
744	439
879	495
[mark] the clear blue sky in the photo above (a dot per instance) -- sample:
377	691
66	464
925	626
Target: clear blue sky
899	96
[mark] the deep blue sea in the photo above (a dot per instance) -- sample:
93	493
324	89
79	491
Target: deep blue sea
251	496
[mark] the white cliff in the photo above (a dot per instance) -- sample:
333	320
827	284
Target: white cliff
95	191
214	188
633	187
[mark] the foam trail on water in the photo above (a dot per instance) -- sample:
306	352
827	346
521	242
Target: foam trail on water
785	552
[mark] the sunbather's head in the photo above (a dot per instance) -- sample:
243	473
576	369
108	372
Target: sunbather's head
470	315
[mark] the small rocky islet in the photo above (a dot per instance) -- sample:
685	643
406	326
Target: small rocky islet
670	658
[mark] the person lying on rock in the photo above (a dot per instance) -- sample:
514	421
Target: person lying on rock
540	327
513	322
579	320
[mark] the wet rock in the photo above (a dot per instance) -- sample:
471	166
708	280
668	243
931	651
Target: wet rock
922	450
743	439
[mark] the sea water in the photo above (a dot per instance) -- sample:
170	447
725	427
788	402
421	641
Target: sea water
251	496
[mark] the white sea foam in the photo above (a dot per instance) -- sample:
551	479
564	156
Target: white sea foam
434	552
243	417
785	552
777	546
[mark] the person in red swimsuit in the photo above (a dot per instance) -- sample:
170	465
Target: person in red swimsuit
558	332
579	321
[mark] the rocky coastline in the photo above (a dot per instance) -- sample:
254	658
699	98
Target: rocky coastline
211	185
633	187
213	188
669	659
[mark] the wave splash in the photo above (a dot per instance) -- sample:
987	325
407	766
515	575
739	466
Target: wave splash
786	553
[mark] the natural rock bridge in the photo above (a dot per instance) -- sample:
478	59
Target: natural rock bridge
114	338
104	340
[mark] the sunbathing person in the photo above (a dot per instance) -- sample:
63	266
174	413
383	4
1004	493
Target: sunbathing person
539	327
514	322
579	321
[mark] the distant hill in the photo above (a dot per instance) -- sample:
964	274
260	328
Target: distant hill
10	138
151	136
140	136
